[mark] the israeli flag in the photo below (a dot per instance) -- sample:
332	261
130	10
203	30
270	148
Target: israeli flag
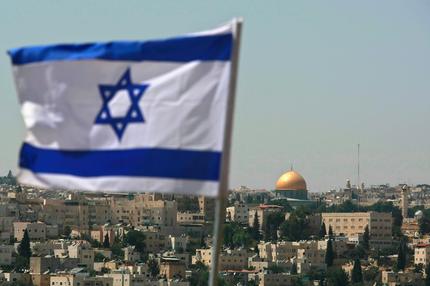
125	116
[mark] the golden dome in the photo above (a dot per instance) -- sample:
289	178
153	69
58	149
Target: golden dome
291	181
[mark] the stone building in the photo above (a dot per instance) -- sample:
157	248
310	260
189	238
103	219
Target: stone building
36	230
229	259
82	250
354	224
422	254
267	278
172	268
207	207
239	213
6	254
391	278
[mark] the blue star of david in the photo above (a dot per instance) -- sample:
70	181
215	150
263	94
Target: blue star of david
133	114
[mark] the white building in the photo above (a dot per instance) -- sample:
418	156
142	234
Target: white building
422	254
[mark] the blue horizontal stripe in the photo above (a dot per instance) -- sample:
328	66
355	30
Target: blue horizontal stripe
161	163
181	49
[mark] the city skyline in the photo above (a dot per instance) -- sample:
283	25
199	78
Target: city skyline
314	81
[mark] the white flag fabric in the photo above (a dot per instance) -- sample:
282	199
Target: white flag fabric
125	116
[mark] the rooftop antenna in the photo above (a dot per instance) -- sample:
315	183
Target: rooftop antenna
358	167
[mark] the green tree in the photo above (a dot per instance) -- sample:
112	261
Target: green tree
274	268
401	255
14	283
427	281
337	277
24	252
424	225
359	252
67	230
117	251
366	238
241	238
322	232
295	227
99	257
297	281
199	275
21	264
255	229
371	273
345	207
274	220
135	238
357	275
154	268
286	207
397	222
106	243
235	235
419	268
330	232
329	254
24	249
294	268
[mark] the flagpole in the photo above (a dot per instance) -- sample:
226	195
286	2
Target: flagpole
220	201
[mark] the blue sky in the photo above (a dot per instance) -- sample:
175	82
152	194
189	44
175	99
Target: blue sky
316	78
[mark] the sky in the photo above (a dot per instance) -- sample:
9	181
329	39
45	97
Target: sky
316	78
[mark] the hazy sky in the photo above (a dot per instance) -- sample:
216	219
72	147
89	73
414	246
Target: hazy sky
316	78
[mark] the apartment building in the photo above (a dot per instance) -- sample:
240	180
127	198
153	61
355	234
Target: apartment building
354	224
72	213
239	213
190	218
155	241
143	209
391	278
39	265
207	207
79	279
99	211
82	250
100	234
6	252
172	268
36	230
266	278
229	259
312	251
422	254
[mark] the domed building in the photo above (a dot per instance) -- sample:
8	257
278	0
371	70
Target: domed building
418	215
292	187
